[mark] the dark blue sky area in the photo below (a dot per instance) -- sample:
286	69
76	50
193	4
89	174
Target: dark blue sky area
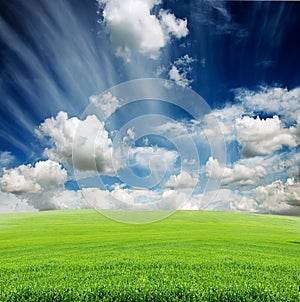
252	43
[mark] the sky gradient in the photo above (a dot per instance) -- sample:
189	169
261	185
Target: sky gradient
210	119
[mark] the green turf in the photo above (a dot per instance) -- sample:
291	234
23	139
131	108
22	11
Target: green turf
190	256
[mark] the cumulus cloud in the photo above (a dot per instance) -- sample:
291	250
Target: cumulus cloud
10	203
85	146
174	129
271	100
214	127
36	184
279	197
179	78
237	175
292	163
145	166
223	199
44	175
97	199
106	103
67	199
272	164
133	27
275	198
173	196
181	181
221	121
152	158
217	123
280	102
172	25
132	199
148	156
263	136
180	71
81	144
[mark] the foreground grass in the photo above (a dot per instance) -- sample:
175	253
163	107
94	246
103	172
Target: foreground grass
191	256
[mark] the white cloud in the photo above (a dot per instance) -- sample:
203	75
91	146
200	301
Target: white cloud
174	195
221	121
97	199
37	184
179	78
118	198
147	157
180	70
107	103
129	138
158	160
189	205
122	194
174	129
6	159
276	198
144	155
181	181
81	144
237	175
271	100
133	199
184	61
292	163
173	25
233	121
134	28
173	200
67	199
263	136
272	164
61	130
223	199
131	133
10	203
214	127
279	197
44	175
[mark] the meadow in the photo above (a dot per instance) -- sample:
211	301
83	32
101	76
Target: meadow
190	256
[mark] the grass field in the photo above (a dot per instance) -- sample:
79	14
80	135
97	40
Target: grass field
190	256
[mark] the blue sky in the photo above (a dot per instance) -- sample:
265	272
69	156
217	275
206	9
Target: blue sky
74	136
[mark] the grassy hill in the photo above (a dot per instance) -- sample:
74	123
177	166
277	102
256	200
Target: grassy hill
190	256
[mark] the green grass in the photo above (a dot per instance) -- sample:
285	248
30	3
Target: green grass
190	256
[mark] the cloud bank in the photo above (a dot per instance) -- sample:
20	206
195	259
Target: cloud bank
261	179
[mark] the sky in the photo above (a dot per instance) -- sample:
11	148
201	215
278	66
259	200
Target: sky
150	105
